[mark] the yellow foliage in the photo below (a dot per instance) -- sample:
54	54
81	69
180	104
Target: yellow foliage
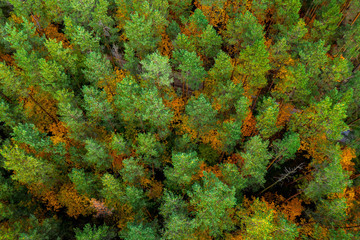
52	203
347	155
249	125
109	83
122	14
165	46
59	132
52	32
314	146
124	215
7	58
284	114
292	209
41	108
212	138
117	160
155	189
216	16
15	18
75	203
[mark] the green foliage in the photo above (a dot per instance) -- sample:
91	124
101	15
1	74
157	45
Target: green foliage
287	147
201	114
324	117
230	134
149	148
183	42
210	42
119	144
96	155
178	224
28	169
112	190
212	201
136	198
94	233
83	39
328	179
71	114
132	172
222	69
260	224
49	228
162	118
97	106
185	166
30	135
232	177
85	183
263	223
142	107
62	56
331	212
244	30
190	66
143	30
266	119
139	231
256	157
97	68
157	69
254	61
227	93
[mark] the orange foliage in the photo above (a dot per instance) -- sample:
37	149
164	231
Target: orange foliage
52	203
122	15
124	215
191	29
249	125
109	83
41	109
216	105
15	18
117	160
48	196
214	169
291	209
234	158
347	155
177	106
314	146
52	32
165	46
212	137
284	114
59	132
155	189
235	236
75	203
7	58
216	16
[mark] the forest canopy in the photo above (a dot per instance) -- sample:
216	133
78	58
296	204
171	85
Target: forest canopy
179	119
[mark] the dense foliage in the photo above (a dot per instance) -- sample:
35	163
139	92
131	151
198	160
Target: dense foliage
179	119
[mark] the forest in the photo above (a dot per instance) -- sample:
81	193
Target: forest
179	119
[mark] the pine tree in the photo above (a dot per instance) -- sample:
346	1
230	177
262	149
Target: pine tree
211	201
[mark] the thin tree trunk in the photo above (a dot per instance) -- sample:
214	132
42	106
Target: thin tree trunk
38	104
357	16
293	196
